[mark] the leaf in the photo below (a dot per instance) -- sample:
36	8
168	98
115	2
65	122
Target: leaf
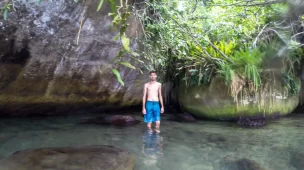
123	29
99	5
117	74
134	54
140	71
115	20
127	64
193	70
8	6
116	36
5	14
121	53
113	6
125	42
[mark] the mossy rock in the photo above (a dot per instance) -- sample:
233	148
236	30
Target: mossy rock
215	102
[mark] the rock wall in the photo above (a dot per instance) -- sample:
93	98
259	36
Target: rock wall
44	71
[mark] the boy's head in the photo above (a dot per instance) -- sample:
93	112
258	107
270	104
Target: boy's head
152	75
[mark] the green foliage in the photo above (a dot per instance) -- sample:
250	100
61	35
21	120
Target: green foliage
5	9
225	70
99	5
291	83
117	74
202	40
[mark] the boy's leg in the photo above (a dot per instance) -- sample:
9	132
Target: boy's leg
149	114
156	115
157	124
149	125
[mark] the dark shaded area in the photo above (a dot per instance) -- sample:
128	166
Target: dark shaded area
44	109
19	57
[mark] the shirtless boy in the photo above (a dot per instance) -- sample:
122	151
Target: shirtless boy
152	100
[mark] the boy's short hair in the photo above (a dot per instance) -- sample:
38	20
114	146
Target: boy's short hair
152	72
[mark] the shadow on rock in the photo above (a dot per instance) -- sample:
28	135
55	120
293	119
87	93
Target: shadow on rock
117	120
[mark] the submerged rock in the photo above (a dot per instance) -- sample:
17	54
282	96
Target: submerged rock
297	160
117	120
70	158
241	164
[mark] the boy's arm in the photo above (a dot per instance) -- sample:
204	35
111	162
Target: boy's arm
144	99
161	98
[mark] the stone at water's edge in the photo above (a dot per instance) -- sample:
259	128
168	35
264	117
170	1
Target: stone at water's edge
80	158
117	120
43	70
215	102
246	122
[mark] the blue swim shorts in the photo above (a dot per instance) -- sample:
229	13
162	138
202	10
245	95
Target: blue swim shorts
152	112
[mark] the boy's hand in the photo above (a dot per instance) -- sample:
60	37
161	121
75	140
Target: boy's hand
144	111
162	110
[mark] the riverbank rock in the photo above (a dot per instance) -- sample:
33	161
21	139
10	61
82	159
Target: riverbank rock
46	69
80	158
215	102
117	120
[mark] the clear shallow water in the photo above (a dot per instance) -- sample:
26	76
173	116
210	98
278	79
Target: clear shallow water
180	146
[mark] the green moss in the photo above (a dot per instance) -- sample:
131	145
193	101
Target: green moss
281	107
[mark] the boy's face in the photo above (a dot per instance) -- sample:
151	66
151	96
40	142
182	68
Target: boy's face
153	76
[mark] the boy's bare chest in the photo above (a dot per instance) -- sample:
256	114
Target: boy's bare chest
153	87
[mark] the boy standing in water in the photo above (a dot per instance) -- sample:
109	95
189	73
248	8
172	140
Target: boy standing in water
152	99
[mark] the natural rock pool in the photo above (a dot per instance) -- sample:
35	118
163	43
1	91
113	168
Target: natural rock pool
204	145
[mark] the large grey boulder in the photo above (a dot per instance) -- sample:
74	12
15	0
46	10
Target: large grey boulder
44	71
